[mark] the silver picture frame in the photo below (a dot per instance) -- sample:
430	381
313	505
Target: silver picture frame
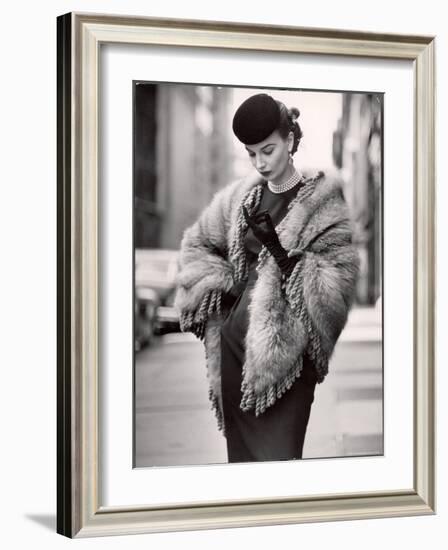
79	510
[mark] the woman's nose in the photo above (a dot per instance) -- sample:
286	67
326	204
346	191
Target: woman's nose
259	163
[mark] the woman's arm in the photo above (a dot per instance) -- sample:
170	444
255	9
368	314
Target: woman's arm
205	270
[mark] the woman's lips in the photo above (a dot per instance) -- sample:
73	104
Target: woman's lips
265	173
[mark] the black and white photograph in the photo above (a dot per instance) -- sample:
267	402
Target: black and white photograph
257	229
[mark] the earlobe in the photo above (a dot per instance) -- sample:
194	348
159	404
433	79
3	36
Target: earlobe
290	142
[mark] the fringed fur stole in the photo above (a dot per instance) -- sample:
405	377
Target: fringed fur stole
288	318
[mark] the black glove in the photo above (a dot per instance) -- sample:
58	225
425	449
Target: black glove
263	228
230	297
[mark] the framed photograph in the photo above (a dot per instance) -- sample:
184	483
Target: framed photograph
246	275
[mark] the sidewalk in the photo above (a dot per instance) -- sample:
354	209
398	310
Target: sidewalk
347	416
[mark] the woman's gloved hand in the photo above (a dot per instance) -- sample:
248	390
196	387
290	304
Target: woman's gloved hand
264	230
262	226
229	297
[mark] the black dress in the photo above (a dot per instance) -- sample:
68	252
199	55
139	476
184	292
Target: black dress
279	432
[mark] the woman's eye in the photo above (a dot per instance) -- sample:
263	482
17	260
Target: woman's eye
263	153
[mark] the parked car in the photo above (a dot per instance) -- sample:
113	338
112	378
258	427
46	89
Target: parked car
145	315
167	319
156	269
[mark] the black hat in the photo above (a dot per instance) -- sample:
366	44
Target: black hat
256	118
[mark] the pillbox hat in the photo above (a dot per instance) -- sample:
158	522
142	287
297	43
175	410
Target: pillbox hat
256	118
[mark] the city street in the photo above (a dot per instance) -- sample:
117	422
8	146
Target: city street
176	426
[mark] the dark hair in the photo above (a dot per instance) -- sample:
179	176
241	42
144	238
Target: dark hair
288	123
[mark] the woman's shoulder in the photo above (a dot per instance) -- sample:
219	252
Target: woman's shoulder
328	175
327	183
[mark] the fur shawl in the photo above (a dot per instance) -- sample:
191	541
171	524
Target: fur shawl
288	318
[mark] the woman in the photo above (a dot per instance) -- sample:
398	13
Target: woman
268	274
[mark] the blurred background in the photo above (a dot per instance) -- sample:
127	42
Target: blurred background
185	151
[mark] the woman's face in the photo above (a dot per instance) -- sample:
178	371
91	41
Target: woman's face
270	157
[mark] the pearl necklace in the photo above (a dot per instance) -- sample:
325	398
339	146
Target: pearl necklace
287	185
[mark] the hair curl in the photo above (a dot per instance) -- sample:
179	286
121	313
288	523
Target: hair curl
288	123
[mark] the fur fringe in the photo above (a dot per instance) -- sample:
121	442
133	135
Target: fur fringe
237	252
294	290
217	410
196	321
267	398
